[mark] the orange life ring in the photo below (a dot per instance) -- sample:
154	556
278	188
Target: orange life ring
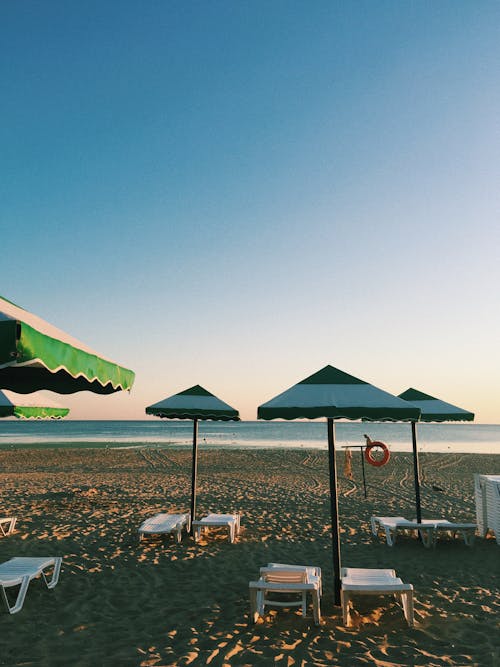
368	453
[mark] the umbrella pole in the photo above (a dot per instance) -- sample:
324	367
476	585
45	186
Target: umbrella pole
362	452
416	471
334	510
194	472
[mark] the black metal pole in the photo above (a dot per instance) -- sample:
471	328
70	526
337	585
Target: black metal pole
194	470
416	471
334	510
362	452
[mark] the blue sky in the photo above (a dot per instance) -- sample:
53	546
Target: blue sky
235	194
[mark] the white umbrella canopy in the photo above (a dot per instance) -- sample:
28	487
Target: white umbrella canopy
334	394
195	403
432	410
31	406
36	355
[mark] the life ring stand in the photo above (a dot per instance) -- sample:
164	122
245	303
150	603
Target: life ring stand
376	444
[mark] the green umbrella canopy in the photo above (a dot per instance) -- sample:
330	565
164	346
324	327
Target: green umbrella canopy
334	394
434	409
34	406
194	403
36	355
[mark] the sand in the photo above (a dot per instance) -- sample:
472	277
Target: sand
124	603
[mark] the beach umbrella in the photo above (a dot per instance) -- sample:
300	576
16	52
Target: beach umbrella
333	394
197	404
432	410
36	355
33	406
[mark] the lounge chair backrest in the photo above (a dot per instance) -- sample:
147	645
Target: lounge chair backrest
284	576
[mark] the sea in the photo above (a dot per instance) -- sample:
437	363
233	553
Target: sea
461	437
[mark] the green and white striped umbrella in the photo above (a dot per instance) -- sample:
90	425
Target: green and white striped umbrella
32	406
333	394
432	410
194	403
36	355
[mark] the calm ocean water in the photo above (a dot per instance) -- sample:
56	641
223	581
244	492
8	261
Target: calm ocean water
475	438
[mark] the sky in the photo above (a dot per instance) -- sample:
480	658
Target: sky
237	193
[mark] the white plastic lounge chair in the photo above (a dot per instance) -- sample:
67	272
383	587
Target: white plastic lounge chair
391	524
165	523
290	579
20	571
7	524
427	528
361	581
229	521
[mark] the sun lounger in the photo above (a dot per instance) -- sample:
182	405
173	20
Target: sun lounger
428	529
392	524
277	578
20	571
229	521
7	524
165	523
361	581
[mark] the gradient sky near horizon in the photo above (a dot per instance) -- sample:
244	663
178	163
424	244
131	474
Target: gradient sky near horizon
235	194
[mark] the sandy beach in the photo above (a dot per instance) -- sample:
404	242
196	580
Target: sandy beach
157	603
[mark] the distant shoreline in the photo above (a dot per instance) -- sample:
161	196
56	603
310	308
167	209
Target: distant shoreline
168	434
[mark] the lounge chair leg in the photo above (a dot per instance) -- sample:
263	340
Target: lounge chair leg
253	605
428	537
4	598
468	537
55	574
316	608
10	526
390	537
304	604
18	605
407	602
345	602
260	603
